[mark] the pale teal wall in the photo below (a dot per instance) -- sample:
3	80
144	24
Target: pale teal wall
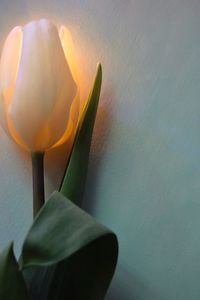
144	172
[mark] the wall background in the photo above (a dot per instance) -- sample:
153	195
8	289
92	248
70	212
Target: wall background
144	172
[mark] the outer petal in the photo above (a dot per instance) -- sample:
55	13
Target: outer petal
44	87
68	48
8	69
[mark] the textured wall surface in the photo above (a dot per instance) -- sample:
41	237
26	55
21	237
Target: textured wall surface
144	172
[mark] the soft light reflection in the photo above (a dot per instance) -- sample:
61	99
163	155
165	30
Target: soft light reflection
68	47
10	59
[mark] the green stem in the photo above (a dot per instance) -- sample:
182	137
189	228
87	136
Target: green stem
38	181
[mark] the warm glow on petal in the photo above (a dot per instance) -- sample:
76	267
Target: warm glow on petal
68	47
39	86
44	87
7	96
10	58
9	64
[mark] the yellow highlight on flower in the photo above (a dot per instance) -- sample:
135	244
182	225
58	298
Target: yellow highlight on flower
39	88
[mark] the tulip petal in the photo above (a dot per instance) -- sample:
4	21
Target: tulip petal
44	87
8	69
68	48
69	51
10	58
6	122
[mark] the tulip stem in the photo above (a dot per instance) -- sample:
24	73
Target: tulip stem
38	181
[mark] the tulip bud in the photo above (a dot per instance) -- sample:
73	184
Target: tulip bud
39	96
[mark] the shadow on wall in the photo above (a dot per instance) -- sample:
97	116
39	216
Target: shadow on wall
123	287
101	133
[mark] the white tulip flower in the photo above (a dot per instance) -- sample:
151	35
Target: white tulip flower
39	94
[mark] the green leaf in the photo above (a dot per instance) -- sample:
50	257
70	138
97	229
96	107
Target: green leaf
69	253
75	174
12	284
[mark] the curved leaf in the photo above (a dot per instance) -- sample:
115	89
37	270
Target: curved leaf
75	174
12	284
83	253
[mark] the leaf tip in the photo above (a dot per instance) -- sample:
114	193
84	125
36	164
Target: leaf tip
99	66
99	69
